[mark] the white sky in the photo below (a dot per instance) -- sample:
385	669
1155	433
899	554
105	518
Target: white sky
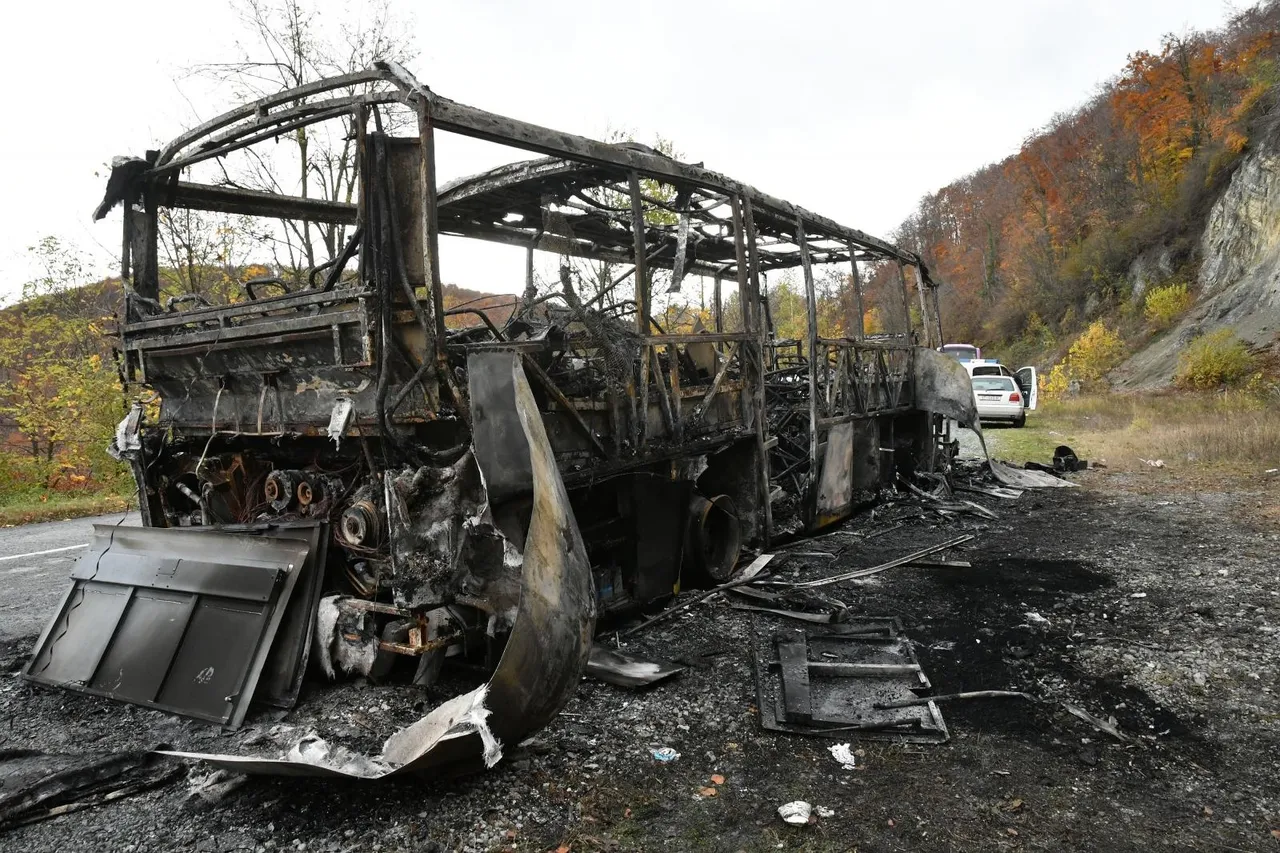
852	109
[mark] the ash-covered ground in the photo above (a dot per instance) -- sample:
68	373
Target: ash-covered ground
1160	609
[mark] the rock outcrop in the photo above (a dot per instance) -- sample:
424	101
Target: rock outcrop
1239	282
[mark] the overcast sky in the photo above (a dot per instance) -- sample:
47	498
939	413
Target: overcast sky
852	109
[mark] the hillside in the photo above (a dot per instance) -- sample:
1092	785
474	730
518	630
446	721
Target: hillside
498	307
1163	188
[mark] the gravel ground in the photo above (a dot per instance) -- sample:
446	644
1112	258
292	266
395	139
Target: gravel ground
1160	610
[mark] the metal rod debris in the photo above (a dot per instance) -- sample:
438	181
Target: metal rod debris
901	561
949	697
749	574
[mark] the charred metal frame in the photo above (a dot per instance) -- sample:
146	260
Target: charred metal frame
722	229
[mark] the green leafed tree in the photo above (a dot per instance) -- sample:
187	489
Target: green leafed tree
59	393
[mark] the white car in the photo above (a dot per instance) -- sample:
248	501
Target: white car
961	352
1026	377
999	399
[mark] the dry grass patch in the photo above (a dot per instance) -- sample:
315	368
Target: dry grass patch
1212	443
1233	430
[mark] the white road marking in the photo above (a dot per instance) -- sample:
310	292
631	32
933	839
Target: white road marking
42	553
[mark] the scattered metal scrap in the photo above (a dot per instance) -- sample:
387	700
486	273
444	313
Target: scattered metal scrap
830	683
628	670
753	573
873	570
948	506
953	697
1027	478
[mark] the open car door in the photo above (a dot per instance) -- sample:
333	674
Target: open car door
1027	380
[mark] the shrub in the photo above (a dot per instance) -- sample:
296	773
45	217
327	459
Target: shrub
1056	382
1095	352
1212	361
1166	304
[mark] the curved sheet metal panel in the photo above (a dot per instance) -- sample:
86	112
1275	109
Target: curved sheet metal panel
943	387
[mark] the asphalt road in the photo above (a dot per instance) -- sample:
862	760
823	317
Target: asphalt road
35	563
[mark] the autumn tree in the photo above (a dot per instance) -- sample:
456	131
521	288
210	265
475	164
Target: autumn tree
207	255
58	388
1052	229
289	43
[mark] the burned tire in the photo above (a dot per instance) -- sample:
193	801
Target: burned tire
713	541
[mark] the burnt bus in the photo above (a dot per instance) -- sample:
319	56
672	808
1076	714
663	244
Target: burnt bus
481	490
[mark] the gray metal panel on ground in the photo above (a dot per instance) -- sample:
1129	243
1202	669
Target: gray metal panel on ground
281	680
843	676
179	620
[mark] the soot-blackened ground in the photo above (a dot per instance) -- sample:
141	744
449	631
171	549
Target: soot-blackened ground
1142	613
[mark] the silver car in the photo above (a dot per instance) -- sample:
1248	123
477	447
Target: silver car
999	399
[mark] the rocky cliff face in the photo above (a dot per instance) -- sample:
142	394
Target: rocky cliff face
1239	280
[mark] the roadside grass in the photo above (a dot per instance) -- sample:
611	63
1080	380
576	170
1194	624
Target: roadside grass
26	508
1231	431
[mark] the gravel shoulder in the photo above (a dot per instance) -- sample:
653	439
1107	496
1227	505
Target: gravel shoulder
1162	609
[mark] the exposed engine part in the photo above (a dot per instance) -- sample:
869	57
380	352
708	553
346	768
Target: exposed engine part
279	489
362	580
186	490
309	490
360	525
346	638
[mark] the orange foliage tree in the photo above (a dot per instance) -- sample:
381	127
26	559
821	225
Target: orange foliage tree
1052	229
